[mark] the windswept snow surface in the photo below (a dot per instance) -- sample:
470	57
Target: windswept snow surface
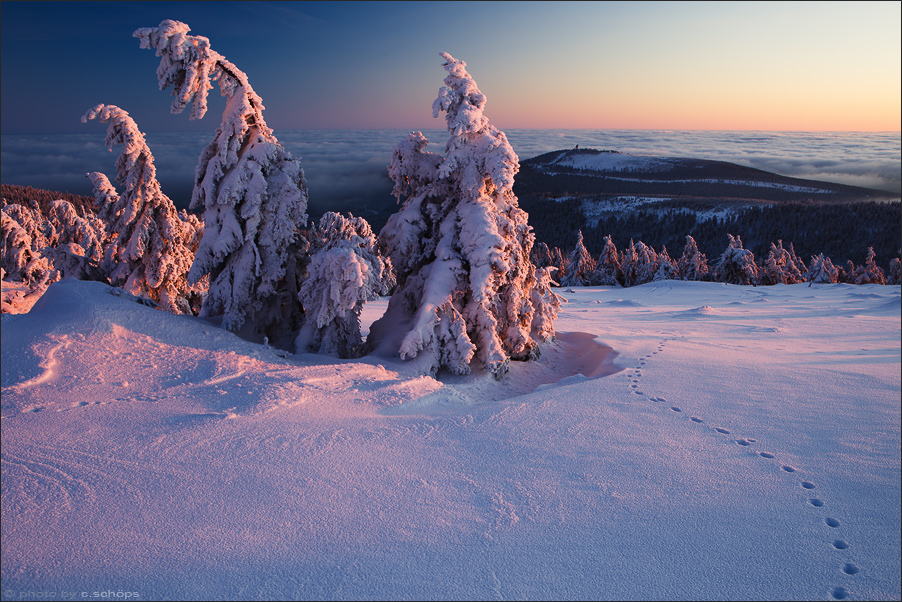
680	440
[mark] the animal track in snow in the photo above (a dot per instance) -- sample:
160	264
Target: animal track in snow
848	568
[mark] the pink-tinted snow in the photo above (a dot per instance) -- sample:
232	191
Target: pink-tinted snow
679	440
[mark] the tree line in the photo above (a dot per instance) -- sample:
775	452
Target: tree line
844	231
639	263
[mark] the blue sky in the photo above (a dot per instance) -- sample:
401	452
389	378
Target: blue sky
628	65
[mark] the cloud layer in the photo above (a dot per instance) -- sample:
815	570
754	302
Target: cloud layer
346	169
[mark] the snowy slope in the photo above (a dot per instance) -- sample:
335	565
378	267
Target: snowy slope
701	441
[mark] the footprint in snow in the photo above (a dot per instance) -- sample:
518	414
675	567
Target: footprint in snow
767	455
694	419
839	593
722	431
831	522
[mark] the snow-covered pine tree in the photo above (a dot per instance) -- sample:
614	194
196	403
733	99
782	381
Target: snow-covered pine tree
736	265
693	265
646	263
821	270
582	265
19	258
75	244
607	268
895	271
252	190
461	246
629	264
667	270
345	271
148	252
560	263
869	273
781	266
796	267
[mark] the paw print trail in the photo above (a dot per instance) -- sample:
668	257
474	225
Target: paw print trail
847	569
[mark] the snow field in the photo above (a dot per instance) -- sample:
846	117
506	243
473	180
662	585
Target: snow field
700	441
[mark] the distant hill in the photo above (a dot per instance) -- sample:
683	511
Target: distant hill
660	200
611	173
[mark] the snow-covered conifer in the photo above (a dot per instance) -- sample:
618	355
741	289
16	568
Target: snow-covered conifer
461	246
148	252
629	264
582	266
252	190
607	268
74	243
736	265
821	270
18	256
345	271
895	271
796	267
692	265
869	273
667	270
560	263
781	266
646	263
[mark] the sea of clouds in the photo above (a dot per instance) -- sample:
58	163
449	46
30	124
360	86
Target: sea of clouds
346	169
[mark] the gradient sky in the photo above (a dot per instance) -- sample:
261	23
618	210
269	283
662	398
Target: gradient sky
801	66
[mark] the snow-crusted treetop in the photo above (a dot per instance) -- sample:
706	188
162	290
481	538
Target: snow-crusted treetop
476	148
188	64
461	99
134	166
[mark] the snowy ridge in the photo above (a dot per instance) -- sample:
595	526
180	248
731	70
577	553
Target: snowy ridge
752	431
608	161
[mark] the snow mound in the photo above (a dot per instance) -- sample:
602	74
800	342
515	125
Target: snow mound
114	349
